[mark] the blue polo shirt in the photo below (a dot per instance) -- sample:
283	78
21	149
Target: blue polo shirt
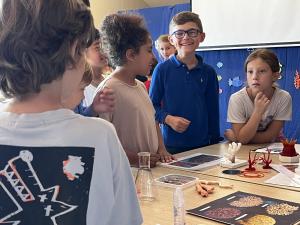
84	111
192	94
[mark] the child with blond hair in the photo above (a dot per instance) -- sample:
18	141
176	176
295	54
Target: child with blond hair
164	47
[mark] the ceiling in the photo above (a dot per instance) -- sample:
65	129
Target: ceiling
156	3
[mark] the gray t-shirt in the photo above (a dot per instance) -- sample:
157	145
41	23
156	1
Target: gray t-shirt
240	108
62	168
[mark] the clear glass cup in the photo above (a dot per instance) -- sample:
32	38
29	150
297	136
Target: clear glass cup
144	182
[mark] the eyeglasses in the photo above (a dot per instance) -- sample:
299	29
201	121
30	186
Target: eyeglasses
179	34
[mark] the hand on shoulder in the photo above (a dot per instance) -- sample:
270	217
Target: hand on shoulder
104	101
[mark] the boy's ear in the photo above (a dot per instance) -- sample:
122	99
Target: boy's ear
130	54
202	36
171	39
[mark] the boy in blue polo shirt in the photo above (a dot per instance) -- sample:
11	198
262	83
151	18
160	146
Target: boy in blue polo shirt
184	90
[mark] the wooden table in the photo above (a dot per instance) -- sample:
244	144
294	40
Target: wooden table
216	171
160	211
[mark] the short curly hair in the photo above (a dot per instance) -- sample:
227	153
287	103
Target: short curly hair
120	32
36	41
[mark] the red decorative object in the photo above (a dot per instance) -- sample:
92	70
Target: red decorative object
266	160
251	162
297	80
289	148
252	174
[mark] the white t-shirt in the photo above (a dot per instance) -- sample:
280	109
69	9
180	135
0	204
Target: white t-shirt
89	93
59	167
240	108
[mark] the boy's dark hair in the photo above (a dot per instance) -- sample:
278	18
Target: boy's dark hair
36	41
185	17
267	56
120	32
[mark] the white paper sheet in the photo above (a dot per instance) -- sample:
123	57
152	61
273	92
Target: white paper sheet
283	180
275	148
284	177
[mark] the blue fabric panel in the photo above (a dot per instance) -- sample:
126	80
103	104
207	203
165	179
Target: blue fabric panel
292	129
158	19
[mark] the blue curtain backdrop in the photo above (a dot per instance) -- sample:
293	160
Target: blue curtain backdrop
158	19
229	65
